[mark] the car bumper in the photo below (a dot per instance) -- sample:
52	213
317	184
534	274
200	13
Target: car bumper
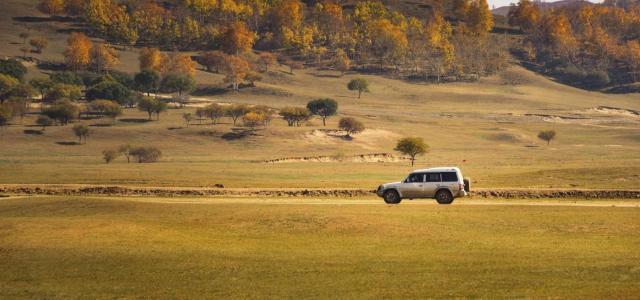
462	193
380	191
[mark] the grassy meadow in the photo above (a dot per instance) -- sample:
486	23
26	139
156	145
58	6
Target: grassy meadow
82	247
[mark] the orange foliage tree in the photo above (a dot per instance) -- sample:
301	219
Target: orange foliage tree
238	39
78	53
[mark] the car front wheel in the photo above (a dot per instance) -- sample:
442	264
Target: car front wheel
391	197
444	197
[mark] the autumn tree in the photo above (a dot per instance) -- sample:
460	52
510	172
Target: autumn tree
52	7
78	53
293	65
151	59
341	62
358	84
106	108
213	61
323	108
235	70
266	59
525	15
178	63
460	9
388	42
412	146
351	126
480	18
252	120
39	44
238	39
103	58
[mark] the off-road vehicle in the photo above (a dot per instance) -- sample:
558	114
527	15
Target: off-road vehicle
443	184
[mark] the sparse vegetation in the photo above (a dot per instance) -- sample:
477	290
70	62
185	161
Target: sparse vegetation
109	155
44	121
295	115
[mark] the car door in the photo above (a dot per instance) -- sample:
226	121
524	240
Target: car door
431	185
450	180
412	186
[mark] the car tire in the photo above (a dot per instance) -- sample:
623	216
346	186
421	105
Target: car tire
444	197
391	197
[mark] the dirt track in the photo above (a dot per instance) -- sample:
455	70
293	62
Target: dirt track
14	189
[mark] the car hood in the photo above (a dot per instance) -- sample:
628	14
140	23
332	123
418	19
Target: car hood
390	184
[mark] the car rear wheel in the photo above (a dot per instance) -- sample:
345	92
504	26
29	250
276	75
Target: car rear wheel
391	197
444	197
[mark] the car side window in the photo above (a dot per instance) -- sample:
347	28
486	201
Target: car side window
433	177
417	177
449	177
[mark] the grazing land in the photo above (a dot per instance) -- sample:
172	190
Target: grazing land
357	248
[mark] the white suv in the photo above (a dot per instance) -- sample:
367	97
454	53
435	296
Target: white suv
443	184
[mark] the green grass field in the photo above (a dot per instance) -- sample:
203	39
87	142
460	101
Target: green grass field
84	247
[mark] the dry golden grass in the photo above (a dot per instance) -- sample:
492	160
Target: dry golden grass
152	248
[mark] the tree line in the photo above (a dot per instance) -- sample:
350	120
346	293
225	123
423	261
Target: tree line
588	45
446	41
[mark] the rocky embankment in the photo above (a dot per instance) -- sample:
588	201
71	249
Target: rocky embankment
96	190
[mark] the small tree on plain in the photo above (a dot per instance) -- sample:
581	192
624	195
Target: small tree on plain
351	126
323	108
187	117
126	151
547	136
295	115
359	84
44	121
109	155
214	112
82	132
147	81
252	120
107	108
146	154
236	111
412	146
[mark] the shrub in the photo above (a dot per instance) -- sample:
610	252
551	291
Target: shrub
13	68
252	120
63	91
596	80
176	83
67	77
213	111
62	111
106	108
44	121
146	154
6	114
295	115
123	78
351	126
7	86
111	90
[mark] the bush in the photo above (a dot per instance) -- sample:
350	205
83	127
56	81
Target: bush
81	131
351	126
12	68
123	78
62	111
106	108
109	155
67	78
596	80
145	154
44	121
6	114
295	115
63	91
111	90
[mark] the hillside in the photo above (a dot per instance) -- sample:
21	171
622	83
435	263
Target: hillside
504	10
487	127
